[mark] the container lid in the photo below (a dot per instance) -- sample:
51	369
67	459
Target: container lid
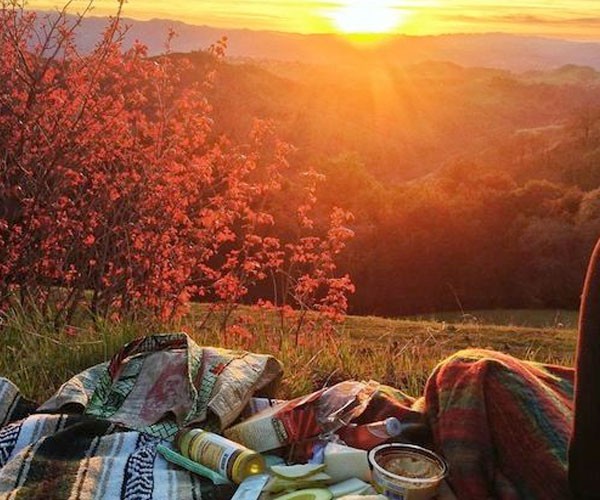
381	455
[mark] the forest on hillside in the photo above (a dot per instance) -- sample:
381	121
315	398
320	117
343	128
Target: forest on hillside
470	187
135	182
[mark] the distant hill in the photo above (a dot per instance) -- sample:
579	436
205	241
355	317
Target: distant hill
512	52
404	123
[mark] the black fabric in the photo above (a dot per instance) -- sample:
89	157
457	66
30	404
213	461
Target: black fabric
584	450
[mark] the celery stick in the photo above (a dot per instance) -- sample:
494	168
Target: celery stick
195	467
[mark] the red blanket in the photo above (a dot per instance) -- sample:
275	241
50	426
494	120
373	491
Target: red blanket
502	424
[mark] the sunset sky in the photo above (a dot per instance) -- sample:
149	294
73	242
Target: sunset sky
578	19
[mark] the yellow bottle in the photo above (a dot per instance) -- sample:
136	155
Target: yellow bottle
228	458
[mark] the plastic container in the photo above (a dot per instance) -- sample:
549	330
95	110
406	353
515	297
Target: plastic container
406	472
230	459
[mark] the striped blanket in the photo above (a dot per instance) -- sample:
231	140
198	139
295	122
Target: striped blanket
502	424
97	436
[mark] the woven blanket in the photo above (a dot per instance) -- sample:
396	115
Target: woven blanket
97	436
502	424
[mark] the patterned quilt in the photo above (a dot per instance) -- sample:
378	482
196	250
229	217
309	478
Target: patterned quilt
97	436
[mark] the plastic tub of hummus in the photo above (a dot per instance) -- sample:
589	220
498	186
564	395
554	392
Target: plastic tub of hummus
406	472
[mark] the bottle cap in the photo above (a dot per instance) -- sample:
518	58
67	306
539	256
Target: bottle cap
393	426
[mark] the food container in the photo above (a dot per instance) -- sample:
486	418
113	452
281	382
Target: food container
406	472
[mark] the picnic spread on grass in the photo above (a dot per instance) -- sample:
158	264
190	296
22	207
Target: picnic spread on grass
166	418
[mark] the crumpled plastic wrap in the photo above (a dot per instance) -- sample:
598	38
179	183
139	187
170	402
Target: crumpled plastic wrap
304	420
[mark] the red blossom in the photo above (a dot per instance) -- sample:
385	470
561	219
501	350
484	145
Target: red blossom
113	190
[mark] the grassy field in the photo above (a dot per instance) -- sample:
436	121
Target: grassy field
540	318
401	353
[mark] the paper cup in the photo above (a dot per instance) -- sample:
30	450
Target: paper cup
406	472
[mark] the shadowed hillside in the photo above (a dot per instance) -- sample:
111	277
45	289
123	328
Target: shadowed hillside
470	187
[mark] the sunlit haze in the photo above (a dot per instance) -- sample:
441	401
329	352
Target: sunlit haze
367	16
577	19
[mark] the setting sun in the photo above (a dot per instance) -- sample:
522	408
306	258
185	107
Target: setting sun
364	16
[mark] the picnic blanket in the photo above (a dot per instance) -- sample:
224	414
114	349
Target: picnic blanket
97	436
502	424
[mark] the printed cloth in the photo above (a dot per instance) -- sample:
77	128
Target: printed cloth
97	436
502	424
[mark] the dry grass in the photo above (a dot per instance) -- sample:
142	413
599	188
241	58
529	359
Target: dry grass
399	353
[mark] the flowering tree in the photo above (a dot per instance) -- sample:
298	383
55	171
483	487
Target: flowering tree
304	279
115	194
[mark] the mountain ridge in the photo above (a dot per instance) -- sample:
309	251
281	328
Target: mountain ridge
513	52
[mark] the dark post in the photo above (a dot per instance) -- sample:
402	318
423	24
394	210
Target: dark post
584	449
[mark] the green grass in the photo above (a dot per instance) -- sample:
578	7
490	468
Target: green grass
537	318
400	353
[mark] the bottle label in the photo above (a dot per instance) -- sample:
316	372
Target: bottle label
215	452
